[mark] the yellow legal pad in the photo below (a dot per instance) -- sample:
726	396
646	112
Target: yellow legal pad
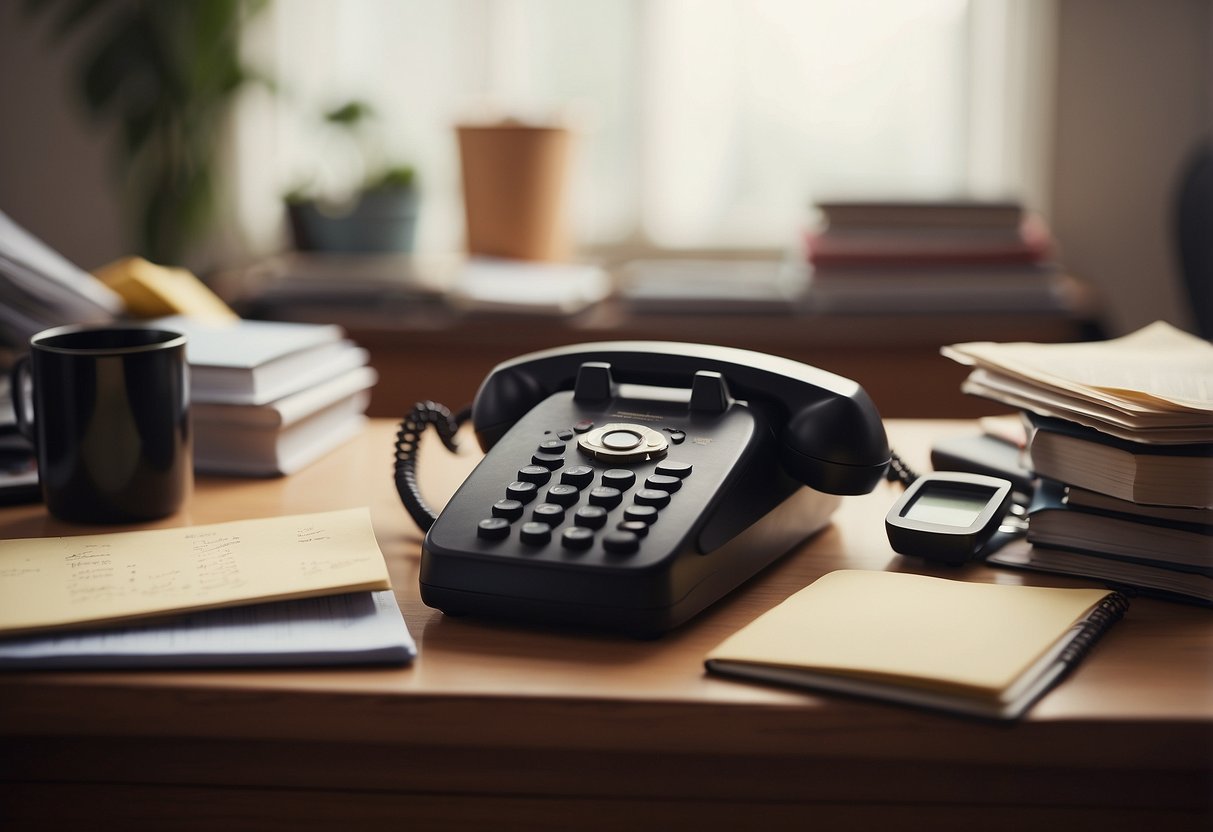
983	649
56	582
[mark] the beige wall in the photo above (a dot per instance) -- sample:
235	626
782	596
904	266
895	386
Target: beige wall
54	167
1134	93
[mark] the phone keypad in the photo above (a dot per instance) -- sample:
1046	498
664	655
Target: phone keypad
579	506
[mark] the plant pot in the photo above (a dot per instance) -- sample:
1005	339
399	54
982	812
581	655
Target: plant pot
378	221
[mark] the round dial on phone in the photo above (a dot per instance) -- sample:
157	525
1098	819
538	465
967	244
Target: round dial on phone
623	442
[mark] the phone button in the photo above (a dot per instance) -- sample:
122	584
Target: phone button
537	474
652	497
521	491
592	517
636	527
645	514
509	509
671	468
620	542
663	482
551	446
535	533
577	537
605	496
583	426
549	461
578	475
549	513
563	495
494	528
620	478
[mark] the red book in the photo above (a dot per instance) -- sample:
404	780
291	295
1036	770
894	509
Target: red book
1030	243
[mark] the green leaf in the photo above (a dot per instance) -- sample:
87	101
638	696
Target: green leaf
350	113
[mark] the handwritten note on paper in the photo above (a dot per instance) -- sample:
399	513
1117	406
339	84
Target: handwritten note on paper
47	583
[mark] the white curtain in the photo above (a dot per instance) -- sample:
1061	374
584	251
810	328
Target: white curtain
700	123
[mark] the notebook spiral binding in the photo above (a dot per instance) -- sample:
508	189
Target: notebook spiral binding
1109	611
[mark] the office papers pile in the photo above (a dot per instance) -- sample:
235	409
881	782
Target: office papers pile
1120	435
306	589
682	285
1154	385
59	582
492	285
39	288
312	286
269	398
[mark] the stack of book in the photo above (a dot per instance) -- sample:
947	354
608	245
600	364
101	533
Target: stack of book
932	256
268	398
1121	435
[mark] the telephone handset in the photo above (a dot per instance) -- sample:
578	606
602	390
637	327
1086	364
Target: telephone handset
627	485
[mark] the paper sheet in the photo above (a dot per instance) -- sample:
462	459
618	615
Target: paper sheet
1158	368
63	581
353	628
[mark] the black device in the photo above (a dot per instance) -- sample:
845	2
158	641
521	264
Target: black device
948	516
628	485
982	454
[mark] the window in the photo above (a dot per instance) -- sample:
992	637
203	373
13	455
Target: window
700	123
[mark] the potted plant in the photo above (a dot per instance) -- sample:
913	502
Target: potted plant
378	215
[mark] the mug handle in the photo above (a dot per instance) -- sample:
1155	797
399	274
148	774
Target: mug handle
22	408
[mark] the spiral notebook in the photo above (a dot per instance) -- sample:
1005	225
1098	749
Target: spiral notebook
986	650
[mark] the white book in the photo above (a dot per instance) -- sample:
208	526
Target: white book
354	628
254	362
275	415
266	452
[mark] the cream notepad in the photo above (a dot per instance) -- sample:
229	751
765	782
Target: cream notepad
982	649
56	582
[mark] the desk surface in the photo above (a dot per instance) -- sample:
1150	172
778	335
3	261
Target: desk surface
534	722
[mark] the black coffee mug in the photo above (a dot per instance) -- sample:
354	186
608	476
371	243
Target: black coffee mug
110	421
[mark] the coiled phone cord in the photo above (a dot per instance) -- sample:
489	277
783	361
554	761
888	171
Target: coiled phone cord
900	472
408	437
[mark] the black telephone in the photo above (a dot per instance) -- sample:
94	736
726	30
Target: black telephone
628	485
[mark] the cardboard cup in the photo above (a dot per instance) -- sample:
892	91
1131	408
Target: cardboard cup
514	190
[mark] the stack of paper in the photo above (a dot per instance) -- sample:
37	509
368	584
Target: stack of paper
1153	386
308	589
40	288
487	284
268	398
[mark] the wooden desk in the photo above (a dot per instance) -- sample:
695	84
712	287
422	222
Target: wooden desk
498	726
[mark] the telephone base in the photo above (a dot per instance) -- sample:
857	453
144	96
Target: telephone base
714	574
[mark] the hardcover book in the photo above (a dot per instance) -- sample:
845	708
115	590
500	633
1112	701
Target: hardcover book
1053	523
1167	475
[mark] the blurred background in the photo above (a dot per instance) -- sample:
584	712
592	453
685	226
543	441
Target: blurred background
705	128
